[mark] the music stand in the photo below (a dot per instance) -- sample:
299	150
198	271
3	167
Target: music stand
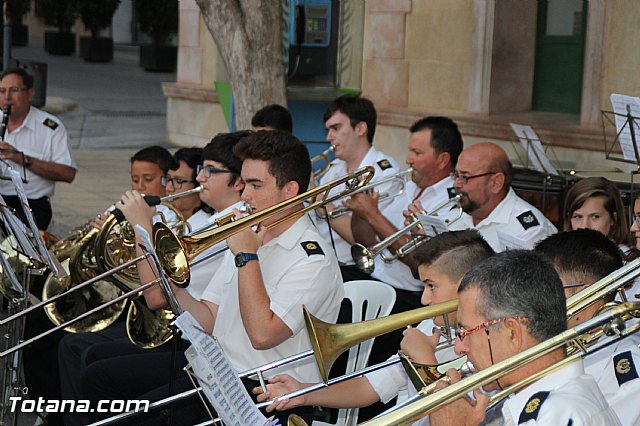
625	116
46	257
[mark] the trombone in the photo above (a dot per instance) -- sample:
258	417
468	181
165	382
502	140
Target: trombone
400	177
610	321
177	252
323	156
364	256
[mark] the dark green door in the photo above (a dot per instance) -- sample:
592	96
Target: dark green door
557	82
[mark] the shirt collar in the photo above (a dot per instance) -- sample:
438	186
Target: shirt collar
369	158
289	238
502	212
440	186
29	121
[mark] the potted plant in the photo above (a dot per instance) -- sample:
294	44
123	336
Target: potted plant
16	9
61	14
96	16
158	19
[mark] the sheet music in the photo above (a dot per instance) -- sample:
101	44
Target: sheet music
432	225
622	106
18	230
218	379
7	272
533	147
509	242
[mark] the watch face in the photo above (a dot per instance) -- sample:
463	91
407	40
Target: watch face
240	260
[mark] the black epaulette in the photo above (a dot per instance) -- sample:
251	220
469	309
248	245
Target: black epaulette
532	407
624	367
452	192
528	220
384	164
50	123
311	247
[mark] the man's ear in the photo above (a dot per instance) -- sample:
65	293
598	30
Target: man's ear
443	161
516	334
291	189
497	182
361	128
238	185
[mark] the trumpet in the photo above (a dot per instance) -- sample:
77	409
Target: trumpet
364	256
323	156
178	252
400	177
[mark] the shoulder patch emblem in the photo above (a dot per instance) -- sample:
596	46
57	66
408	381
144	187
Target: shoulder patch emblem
311	247
50	123
624	367
384	164
532	407
452	192
527	220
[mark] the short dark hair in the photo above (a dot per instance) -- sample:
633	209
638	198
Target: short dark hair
584	254
274	116
192	157
288	157
220	149
467	247
27	79
155	154
445	135
357	109
520	283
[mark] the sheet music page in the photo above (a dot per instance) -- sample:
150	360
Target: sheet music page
533	147
509	242
220	382
19	232
432	225
7	272
623	104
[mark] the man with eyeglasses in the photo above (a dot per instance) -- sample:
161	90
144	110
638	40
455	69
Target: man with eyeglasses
182	177
33	141
483	178
506	305
581	258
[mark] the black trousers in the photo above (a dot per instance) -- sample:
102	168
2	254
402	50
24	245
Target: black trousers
41	208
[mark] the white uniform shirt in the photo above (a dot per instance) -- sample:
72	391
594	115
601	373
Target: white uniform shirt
40	136
513	216
616	370
388	382
295	273
565	397
201	273
384	166
397	273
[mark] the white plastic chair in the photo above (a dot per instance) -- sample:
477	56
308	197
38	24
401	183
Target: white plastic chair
369	299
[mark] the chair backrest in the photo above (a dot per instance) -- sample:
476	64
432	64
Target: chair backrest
369	299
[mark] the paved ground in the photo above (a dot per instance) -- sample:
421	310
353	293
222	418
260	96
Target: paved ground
110	111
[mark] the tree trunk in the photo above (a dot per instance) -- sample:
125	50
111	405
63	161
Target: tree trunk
248	34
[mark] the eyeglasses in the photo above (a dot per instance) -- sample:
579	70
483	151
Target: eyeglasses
175	182
463	179
461	332
207	171
13	90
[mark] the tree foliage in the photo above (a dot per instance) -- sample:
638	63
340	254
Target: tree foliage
61	14
248	35
158	18
97	15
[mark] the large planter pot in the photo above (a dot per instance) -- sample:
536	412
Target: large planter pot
98	49
59	43
158	58
19	35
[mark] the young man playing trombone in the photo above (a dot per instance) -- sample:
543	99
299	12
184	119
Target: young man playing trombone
442	264
506	305
351	124
581	258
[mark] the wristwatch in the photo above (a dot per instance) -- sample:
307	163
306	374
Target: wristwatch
242	259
